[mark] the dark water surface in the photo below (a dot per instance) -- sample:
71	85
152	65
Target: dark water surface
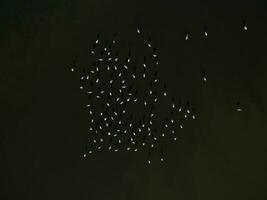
44	125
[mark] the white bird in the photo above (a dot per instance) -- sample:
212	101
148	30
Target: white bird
245	25
205	31
186	34
238	109
145	103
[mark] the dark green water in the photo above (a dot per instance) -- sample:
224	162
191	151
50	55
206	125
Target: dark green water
44	126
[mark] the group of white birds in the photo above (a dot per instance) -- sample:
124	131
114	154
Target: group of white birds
205	30
127	100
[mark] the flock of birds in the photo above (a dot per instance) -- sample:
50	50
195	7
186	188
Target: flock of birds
123	96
